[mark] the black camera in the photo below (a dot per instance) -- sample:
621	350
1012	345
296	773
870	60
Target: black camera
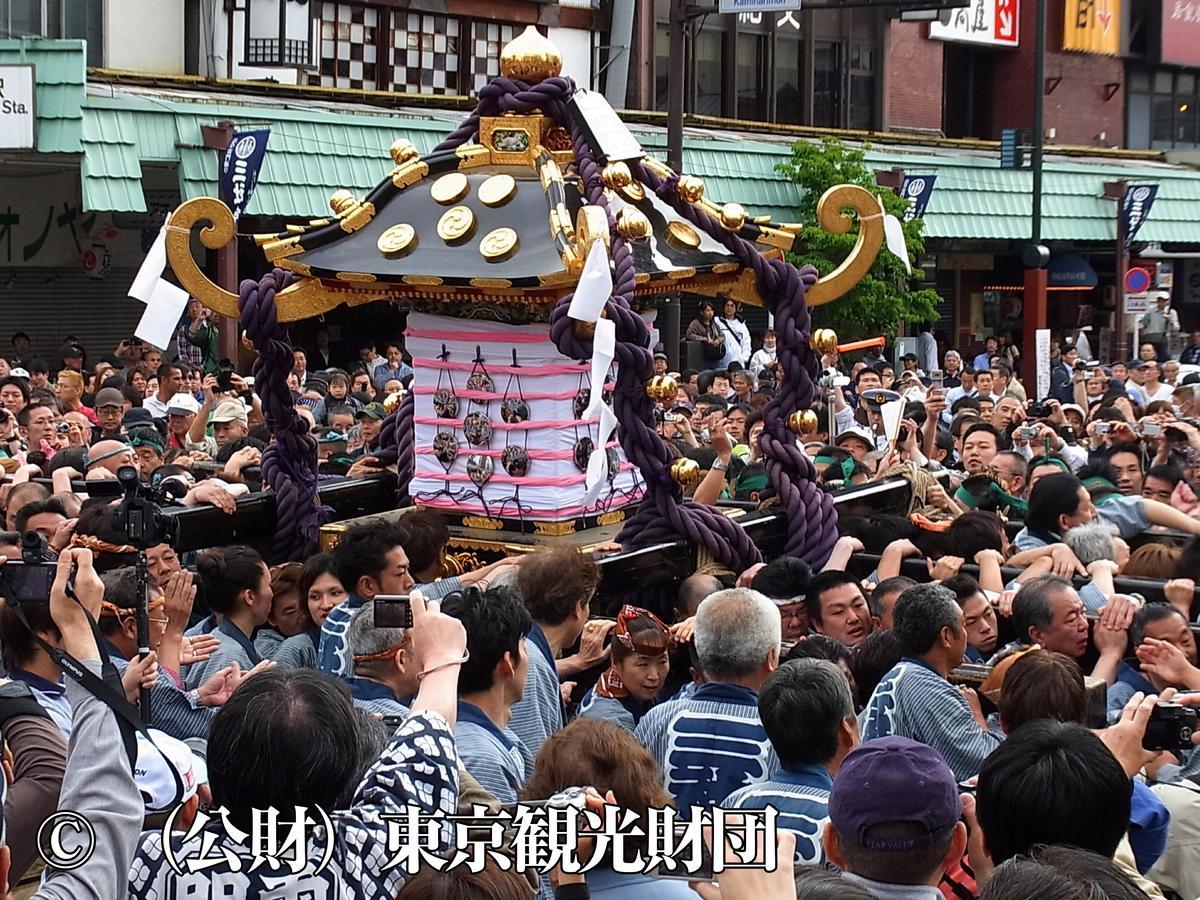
393	611
1039	411
224	375
1171	727
139	517
29	579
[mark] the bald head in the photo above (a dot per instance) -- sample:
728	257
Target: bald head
110	455
692	590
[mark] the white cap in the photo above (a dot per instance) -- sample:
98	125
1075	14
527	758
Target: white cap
858	432
182	404
18	372
152	773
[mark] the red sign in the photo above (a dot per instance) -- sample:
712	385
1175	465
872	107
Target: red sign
1137	281
1181	32
1006	21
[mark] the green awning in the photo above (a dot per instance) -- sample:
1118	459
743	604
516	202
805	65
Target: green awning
317	149
61	73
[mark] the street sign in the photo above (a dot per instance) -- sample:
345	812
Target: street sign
1136	304
748	6
16	108
995	22
1137	280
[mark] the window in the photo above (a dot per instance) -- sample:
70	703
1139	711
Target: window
349	35
827	84
789	102
425	53
368	48
861	113
1163	110
71	19
708	73
751	75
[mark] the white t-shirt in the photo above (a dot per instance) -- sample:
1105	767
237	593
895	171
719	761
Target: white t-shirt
1164	391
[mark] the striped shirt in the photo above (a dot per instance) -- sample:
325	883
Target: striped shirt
173	711
299	651
708	745
235	647
375	697
539	713
915	702
495	757
626	712
802	798
267	641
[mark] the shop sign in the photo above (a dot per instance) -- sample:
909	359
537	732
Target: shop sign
994	22
1136	304
17	118
749	6
1181	32
1092	26
43	223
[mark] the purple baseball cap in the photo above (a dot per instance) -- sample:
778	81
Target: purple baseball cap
890	780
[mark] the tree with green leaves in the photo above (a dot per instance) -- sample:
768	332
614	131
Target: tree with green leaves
888	296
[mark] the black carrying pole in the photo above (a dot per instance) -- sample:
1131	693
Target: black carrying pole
143	625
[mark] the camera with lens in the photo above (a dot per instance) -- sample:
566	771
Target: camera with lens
29	579
224	375
140	517
1039	411
1170	727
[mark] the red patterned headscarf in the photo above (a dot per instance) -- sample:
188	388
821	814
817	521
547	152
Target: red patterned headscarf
638	631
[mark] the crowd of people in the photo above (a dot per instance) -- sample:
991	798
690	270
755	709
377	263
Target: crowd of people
965	700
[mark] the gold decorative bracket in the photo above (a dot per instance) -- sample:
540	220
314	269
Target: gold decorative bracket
218	233
832	216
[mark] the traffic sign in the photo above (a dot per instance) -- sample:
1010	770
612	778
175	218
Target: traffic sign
1136	304
1137	280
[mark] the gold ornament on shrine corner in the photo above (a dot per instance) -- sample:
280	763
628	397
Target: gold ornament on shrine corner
733	216
391	402
824	340
530	57
450	188
456	224
342	201
403	151
690	188
497	190
686	472
662	388
683	234
498	245
633	225
397	239
803	421
616	175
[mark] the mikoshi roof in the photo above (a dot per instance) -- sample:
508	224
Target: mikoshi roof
503	221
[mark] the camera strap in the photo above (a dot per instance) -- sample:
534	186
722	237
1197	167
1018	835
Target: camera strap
108	689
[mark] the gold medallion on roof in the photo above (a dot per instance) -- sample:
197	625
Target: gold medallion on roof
497	190
456	224
499	244
450	188
397	239
683	234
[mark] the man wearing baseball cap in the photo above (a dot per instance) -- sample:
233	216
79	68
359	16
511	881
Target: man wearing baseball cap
230	421
110	407
370	424
894	819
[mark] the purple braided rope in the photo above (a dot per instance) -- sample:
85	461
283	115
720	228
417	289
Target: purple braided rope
808	511
396	446
289	464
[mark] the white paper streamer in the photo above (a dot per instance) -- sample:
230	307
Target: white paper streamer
595	286
163	310
893	231
145	283
597	470
604	348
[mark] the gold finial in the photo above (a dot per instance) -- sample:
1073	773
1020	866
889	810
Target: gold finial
616	175
403	150
633	225
341	201
531	58
733	216
690	188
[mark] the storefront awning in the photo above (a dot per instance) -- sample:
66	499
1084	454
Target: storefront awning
316	149
1071	271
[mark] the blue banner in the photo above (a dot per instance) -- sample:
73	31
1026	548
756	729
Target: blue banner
917	189
1135	209
240	168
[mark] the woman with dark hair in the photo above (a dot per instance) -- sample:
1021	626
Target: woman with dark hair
607	757
319	592
640	663
236	585
704	329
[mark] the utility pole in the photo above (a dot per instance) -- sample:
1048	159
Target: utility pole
1115	190
217	137
1036	256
